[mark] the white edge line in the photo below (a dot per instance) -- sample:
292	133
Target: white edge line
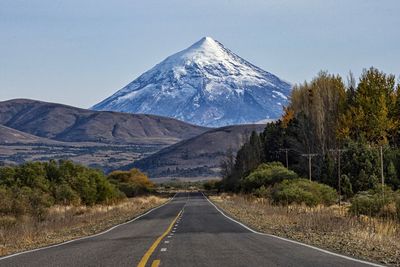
87	237
292	241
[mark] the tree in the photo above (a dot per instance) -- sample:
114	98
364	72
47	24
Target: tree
227	168
391	176
273	139
371	116
316	107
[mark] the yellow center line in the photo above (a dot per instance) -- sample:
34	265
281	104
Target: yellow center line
153	247
155	263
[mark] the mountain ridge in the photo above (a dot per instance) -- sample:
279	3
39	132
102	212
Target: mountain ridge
71	124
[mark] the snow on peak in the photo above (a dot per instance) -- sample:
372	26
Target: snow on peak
203	52
205	84
204	45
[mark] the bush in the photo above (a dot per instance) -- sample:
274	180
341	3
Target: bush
6	198
66	195
367	204
267	174
303	191
398	205
346	187
32	187
212	185
131	183
372	203
39	202
262	192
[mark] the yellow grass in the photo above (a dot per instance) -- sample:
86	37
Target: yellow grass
332	227
68	222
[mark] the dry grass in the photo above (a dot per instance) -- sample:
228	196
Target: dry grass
331	228
68	222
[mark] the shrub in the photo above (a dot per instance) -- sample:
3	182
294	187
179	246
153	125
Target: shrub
266	175
39	202
32	187
303	191
106	191
372	203
346	187
131	183
398	205
7	176
65	195
212	185
262	192
367	204
6	198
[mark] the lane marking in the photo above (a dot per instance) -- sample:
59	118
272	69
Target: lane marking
153	247
155	263
87	237
166	241
163	249
292	241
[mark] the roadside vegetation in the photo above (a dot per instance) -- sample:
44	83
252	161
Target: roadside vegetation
44	203
330	165
330	227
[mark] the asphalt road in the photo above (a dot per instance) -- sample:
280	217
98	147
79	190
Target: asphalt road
188	231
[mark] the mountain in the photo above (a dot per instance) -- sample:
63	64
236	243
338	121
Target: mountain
71	124
197	156
205	84
12	136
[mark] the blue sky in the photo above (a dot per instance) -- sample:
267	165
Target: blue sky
78	52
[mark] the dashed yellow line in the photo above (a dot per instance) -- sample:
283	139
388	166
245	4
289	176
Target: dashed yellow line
155	263
153	247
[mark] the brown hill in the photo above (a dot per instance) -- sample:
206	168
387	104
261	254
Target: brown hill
71	124
12	136
198	156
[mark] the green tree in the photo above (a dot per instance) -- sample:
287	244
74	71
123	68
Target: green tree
391	176
372	116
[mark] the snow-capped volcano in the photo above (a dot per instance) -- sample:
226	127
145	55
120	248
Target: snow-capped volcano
205	84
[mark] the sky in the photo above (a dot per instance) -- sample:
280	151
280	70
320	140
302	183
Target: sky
78	52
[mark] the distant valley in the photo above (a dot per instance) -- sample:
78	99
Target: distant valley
33	130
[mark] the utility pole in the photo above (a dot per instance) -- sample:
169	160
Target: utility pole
286	150
310	156
339	151
382	177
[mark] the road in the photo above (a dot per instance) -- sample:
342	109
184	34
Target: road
187	231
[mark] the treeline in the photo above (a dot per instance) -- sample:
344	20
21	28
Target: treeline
330	120
31	188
